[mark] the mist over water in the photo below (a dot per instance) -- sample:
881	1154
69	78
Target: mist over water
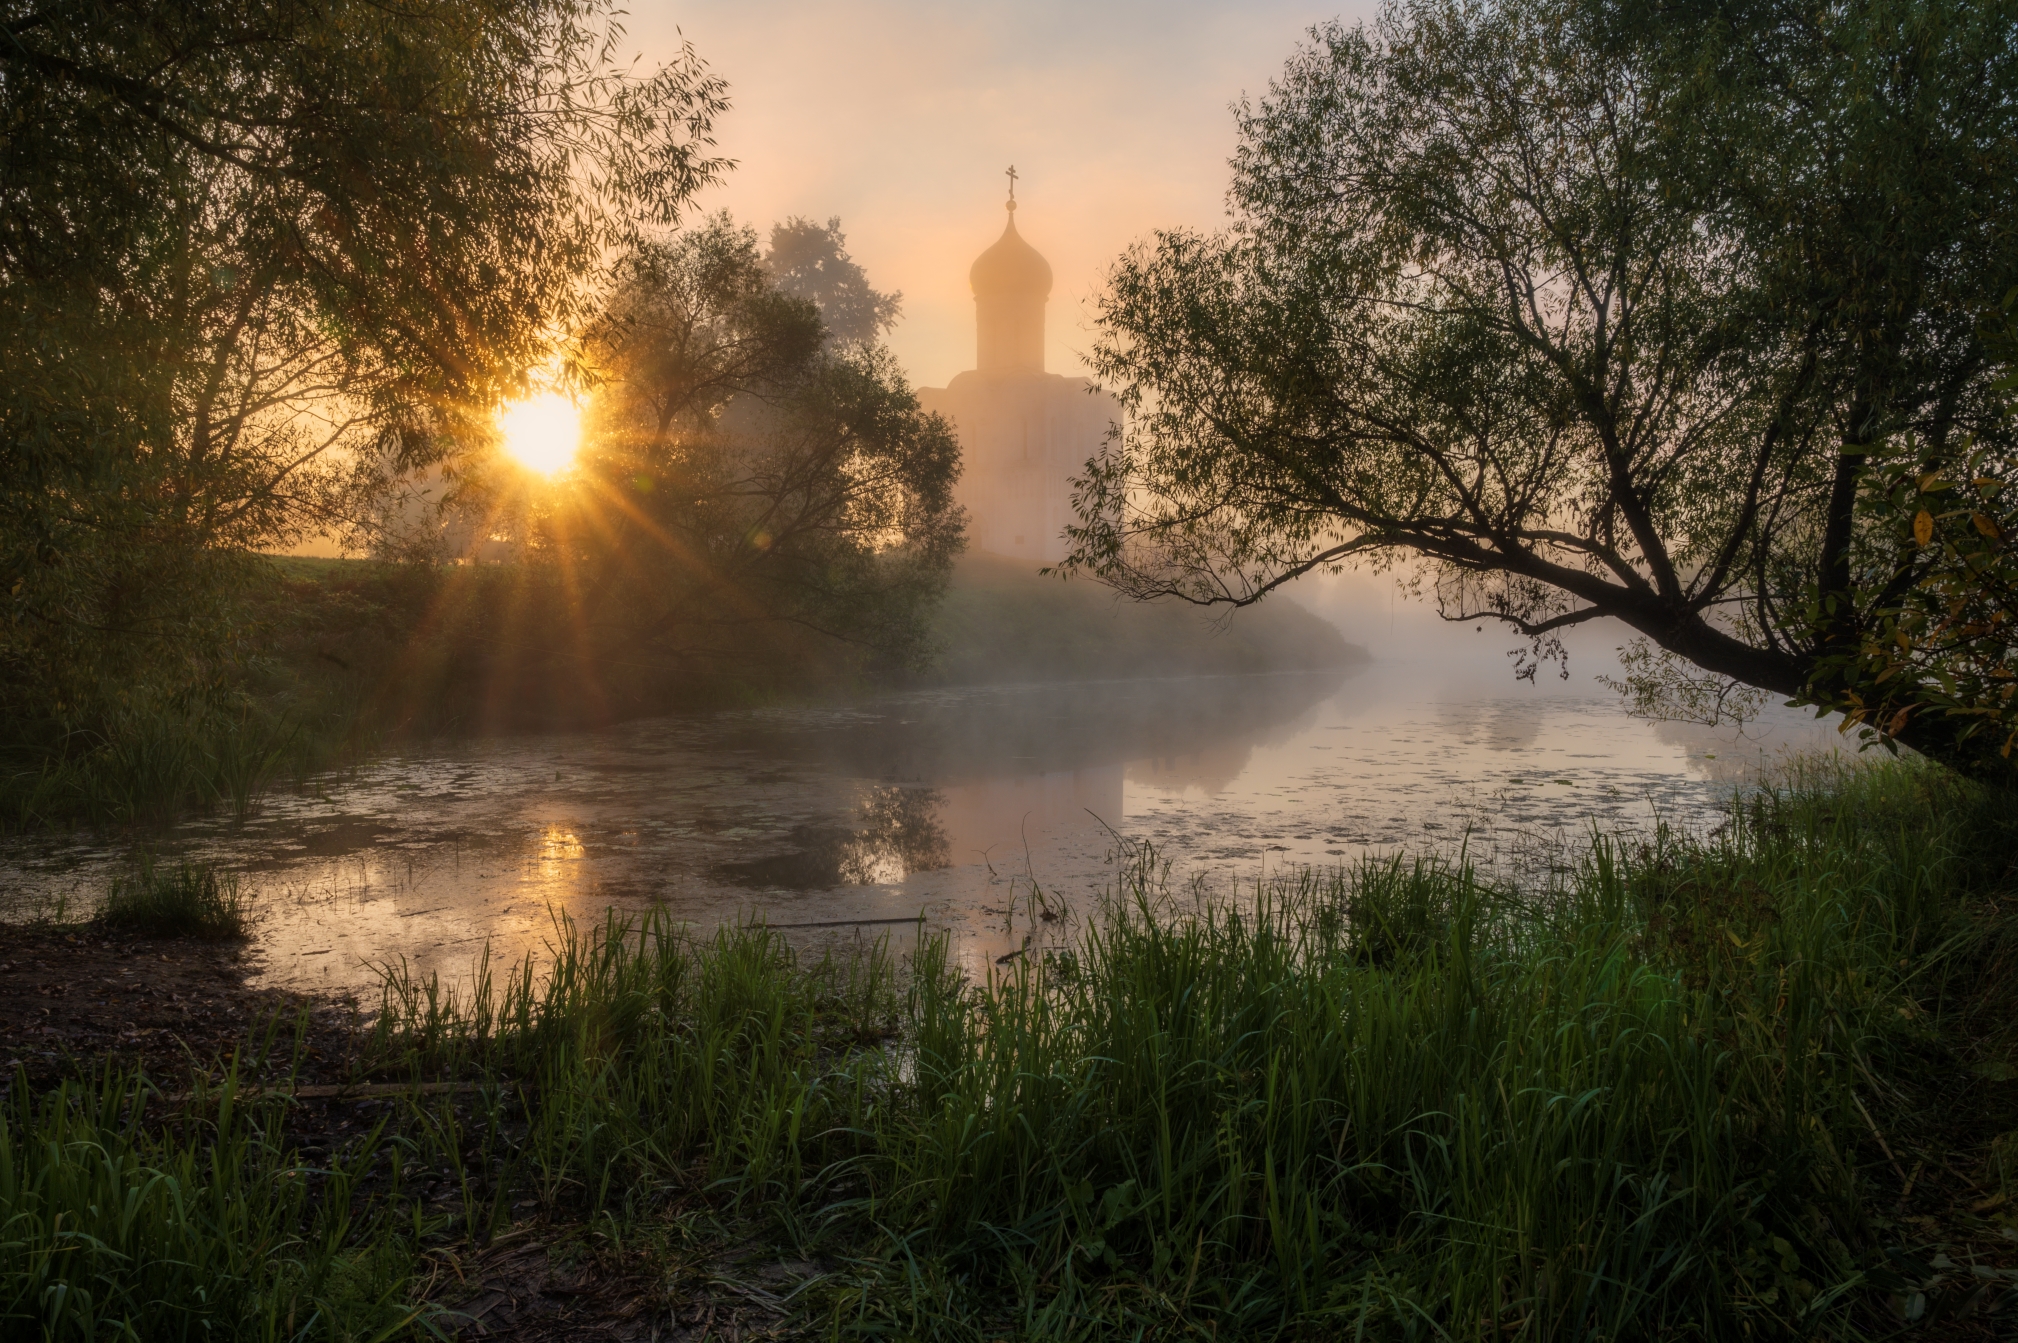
954	804
998	812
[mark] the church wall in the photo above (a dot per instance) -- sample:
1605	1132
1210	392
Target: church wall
1011	339
1022	439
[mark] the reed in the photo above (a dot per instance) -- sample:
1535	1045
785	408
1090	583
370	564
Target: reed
151	765
185	900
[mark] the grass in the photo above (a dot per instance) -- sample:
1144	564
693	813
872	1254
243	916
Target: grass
186	900
155	764
202	1227
1690	1092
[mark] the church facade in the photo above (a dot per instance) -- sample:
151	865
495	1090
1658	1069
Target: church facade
1024	433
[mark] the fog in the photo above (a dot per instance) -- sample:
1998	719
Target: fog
1058	723
1375	611
901	116
1469	669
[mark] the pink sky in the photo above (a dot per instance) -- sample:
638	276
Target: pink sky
900	117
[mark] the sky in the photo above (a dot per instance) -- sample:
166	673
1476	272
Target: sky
900	118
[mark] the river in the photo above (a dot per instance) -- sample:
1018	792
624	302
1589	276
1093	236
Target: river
856	820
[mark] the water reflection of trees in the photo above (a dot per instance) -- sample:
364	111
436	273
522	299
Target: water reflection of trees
1498	724
897	832
1009	731
1211	769
1208	751
900	834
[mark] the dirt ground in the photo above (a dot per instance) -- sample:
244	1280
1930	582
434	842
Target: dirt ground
74	997
527	1289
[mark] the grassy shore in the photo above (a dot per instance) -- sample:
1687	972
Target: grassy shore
1750	1085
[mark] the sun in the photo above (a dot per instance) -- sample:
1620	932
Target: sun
542	432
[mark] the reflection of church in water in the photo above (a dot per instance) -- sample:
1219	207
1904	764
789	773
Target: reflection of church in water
1024	433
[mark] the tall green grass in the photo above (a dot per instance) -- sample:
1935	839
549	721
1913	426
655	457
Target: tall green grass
658	1062
1393	1101
152	764
183	900
1391	1098
204	1227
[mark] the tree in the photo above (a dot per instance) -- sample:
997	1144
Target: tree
751	498
1596	310
1940	637
811	261
251	253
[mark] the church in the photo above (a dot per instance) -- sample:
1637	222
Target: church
1024	433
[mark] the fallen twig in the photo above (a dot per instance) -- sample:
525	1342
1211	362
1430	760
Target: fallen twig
355	1090
1883	1146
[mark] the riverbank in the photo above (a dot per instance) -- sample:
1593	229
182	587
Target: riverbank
346	659
1758	1084
452	651
1001	621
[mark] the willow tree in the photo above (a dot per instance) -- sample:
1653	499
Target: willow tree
759	500
1680	314
250	250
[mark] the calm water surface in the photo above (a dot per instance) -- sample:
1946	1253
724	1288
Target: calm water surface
851	821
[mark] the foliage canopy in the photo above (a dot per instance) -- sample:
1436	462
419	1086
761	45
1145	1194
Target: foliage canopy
1668	313
752	497
252	256
811	261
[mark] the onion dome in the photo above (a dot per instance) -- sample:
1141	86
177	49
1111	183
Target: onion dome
1011	268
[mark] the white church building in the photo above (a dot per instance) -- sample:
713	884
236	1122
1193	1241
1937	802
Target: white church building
1024	433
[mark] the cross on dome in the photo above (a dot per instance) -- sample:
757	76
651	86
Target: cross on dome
1011	266
1011	281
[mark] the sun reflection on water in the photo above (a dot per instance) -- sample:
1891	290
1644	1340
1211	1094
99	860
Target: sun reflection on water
560	850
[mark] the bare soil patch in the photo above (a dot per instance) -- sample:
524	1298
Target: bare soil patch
73	998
